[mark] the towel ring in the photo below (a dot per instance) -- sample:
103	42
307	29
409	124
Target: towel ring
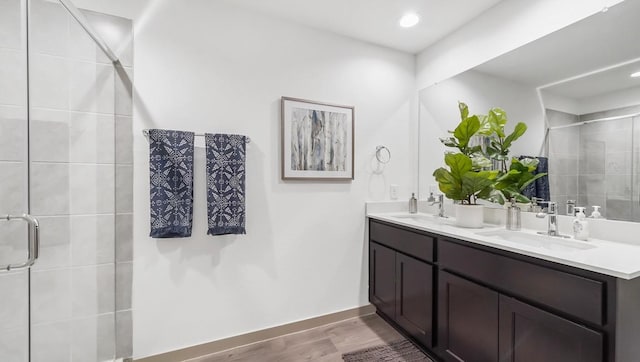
383	155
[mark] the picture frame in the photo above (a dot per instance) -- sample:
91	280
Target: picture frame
317	140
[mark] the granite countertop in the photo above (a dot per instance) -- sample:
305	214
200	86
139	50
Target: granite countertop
621	260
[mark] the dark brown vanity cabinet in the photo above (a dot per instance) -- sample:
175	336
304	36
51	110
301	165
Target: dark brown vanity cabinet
477	323
414	298
471	303
382	278
467	320
401	285
529	334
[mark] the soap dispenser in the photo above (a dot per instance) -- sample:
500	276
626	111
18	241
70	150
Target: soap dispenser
413	204
580	225
514	221
596	213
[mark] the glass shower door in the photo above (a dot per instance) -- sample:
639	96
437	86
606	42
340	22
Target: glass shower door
57	162
71	188
14	250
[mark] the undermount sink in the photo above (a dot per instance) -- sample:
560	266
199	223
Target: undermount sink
421	218
539	241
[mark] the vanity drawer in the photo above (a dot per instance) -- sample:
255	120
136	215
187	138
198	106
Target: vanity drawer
565	292
411	243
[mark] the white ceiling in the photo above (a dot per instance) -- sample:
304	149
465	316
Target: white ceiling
609	81
597	42
376	21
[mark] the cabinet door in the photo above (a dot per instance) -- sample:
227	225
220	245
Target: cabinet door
467	320
414	298
382	278
528	334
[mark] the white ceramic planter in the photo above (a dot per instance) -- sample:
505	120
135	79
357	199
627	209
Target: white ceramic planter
469	216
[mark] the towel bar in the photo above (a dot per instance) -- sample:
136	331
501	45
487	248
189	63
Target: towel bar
145	132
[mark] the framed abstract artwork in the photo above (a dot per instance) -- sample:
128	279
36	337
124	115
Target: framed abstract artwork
317	140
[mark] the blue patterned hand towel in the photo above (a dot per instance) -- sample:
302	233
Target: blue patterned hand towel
225	183
171	188
540	187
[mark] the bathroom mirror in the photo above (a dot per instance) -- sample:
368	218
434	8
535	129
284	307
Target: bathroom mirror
574	91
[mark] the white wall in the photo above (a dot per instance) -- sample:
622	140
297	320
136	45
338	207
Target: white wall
506	26
481	92
209	67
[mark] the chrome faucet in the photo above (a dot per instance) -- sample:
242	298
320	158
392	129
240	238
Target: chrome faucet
552	213
440	203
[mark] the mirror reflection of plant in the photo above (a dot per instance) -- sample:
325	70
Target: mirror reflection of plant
492	125
510	185
468	177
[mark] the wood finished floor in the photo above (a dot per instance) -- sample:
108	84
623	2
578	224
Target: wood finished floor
324	344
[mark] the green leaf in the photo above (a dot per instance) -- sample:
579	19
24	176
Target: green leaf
531	180
521	198
464	110
466	129
525	179
445	179
458	163
448	184
530	163
510	177
480	162
519	166
449	142
492	151
497	119
475	182
520	129
485	126
485	193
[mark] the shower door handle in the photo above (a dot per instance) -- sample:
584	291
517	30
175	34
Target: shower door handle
33	240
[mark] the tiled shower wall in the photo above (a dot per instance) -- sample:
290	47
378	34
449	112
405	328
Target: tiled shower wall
80	184
597	163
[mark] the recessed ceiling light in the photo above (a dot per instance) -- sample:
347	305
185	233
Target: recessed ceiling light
635	75
409	20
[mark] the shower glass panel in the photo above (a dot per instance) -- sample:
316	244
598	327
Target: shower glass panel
59	97
563	164
596	164
635	171
605	169
14	285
